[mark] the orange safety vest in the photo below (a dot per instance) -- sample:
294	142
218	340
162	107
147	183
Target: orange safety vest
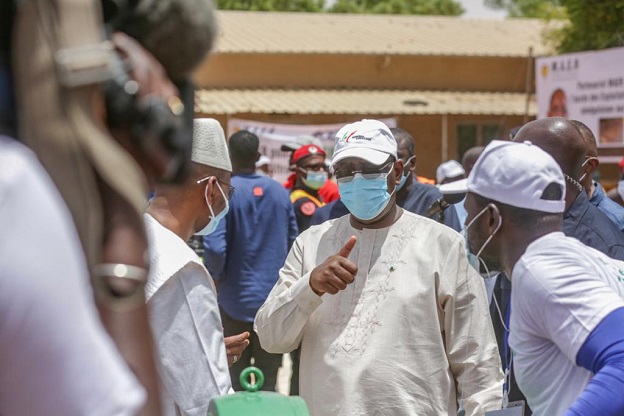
297	194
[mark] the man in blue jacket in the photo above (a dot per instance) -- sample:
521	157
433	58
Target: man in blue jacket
247	250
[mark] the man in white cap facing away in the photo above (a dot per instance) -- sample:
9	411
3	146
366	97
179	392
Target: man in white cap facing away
449	171
180	293
391	318
567	310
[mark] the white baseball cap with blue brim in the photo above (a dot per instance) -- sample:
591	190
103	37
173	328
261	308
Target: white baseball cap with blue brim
515	174
370	140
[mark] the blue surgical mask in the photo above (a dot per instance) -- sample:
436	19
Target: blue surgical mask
214	219
404	176
365	198
315	180
403	180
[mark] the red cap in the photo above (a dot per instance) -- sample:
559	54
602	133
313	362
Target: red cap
307	150
621	165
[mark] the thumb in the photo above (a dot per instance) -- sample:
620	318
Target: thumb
346	249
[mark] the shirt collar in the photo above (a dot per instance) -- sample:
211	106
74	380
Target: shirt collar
598	195
578	207
168	255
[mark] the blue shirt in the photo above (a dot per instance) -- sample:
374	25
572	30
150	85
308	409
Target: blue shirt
609	207
591	227
249	247
422	196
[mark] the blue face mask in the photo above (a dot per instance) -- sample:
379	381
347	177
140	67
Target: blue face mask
403	175
315	180
365	198
214	219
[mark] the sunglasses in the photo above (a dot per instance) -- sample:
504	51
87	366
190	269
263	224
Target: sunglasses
372	172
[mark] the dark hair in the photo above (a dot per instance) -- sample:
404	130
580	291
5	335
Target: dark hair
243	147
403	136
529	219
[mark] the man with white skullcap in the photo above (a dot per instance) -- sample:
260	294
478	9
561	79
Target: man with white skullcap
565	322
391	318
180	292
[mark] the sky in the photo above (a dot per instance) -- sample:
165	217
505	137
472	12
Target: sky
476	9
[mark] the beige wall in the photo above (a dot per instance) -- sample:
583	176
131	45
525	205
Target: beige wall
426	130
486	74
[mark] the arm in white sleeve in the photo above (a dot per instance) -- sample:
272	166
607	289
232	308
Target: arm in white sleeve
281	320
470	342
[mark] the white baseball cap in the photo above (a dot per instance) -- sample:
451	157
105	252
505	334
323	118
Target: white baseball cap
450	169
263	160
370	140
514	174
209	144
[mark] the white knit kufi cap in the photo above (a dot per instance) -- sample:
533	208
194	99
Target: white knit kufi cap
209	144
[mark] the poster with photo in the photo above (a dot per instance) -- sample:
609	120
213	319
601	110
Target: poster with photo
273	135
586	86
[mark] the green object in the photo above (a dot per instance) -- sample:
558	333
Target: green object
253	402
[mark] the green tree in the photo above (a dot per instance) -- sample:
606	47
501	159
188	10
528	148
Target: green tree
425	7
584	24
272	5
529	8
596	24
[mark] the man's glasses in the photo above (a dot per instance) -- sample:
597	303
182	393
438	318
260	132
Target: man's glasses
229	189
372	172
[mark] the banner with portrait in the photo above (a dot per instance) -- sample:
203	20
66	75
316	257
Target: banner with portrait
586	86
273	135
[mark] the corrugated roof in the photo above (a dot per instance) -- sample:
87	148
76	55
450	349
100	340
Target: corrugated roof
221	101
263	32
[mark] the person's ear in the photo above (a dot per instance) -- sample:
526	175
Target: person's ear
495	218
258	156
592	165
209	190
412	165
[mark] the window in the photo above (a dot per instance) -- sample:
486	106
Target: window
471	135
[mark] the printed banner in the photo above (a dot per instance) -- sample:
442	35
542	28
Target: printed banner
272	136
588	87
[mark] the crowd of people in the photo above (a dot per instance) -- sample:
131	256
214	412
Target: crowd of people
500	287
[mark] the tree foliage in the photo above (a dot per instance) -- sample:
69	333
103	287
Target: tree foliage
596	24
272	5
587	24
529	8
431	7
425	7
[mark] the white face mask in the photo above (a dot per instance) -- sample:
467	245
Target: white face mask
214	219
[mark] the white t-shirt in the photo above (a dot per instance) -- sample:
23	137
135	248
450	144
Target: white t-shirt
562	290
55	357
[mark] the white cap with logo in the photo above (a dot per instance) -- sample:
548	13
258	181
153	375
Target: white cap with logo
370	140
515	174
209	144
449	169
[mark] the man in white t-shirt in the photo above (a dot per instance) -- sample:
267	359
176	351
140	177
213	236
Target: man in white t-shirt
567	335
193	356
56	358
